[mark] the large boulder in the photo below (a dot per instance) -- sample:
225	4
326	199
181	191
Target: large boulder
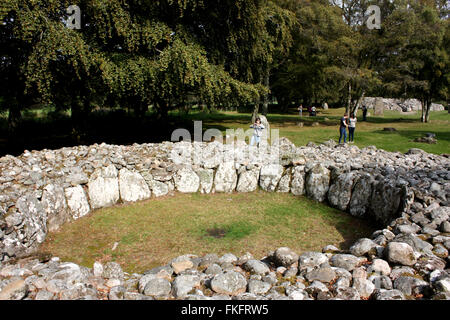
34	218
103	187
186	180
132	186
385	201
77	201
206	179
226	177
285	182
317	182
298	181
361	195
400	253
340	191
15	290
159	188
55	205
248	180
269	176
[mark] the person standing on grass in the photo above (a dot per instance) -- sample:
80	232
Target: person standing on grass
364	110
343	128
258	129
300	110
351	127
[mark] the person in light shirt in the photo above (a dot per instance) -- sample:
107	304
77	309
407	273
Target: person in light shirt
351	127
258	129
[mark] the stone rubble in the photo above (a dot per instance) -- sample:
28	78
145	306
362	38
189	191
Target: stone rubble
408	194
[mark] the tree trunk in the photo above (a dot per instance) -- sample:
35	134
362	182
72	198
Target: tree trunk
255	112
265	104
422	118
349	99
358	103
427	111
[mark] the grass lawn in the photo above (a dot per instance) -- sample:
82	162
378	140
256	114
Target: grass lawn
408	128
153	232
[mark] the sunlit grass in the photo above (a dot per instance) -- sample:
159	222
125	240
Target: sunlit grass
153	232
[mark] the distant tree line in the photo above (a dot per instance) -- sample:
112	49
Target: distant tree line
173	54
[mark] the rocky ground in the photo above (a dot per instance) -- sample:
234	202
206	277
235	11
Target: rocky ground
406	193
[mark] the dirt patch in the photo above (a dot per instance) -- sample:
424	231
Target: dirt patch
217	233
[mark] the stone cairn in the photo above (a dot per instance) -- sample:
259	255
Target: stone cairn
408	194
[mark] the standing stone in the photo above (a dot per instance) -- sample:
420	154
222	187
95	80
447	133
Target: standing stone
132	186
317	182
103	187
361	194
298	181
340	191
248	180
270	176
285	182
378	107
186	180
77	201
55	205
34	217
226	177
159	188
385	201
206	179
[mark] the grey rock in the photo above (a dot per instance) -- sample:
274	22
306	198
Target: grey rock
345	261
112	270
311	260
410	285
256	267
132	186
103	187
400	253
324	274
317	182
157	287
363	246
183	284
230	283
44	295
382	294
285	257
258	287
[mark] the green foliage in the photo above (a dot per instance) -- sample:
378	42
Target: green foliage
172	54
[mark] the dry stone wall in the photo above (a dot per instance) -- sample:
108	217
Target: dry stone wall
400	105
407	194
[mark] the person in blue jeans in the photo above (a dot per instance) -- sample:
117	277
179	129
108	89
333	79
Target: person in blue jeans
343	128
258	127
